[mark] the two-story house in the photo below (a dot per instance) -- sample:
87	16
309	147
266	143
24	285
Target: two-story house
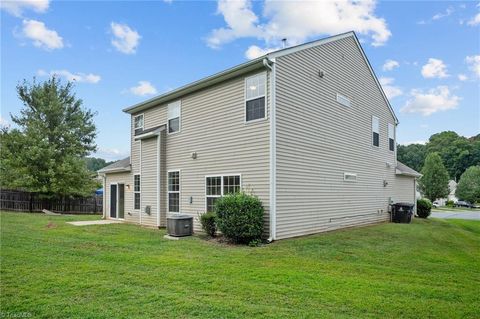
307	129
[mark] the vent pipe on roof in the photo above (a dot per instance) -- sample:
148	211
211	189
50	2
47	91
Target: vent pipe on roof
284	42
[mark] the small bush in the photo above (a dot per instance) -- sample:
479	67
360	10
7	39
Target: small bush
450	203
209	223
240	217
424	207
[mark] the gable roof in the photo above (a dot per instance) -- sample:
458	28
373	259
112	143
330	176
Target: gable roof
250	66
122	165
403	169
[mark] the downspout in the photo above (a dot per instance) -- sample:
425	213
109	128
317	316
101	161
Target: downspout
273	146
104	203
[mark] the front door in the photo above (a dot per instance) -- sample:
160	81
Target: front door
121	201
113	201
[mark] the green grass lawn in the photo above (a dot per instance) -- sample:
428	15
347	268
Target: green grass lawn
50	269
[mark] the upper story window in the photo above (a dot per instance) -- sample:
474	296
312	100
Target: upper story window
375	131
138	124
391	137
255	97
174	114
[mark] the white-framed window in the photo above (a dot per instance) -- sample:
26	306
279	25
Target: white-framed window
345	101
375	131
136	191
174	117
138	124
255	87
218	186
349	177
391	137
173	191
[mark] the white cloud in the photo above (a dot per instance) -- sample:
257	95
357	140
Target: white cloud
475	20
435	100
447	12
16	7
390	65
69	76
41	36
288	19
462	77
125	39
4	122
474	64
390	90
435	68
143	88
254	51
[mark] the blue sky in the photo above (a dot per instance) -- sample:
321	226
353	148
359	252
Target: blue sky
426	54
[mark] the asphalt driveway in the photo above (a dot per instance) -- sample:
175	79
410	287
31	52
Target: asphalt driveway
467	214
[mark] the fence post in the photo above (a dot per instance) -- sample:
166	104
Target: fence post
30	202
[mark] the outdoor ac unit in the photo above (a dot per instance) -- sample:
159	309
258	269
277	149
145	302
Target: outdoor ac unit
180	225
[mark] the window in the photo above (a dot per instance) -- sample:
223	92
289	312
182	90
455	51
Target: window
343	100
375	131
138	124
174	110
136	191
174	192
391	137
218	186
255	97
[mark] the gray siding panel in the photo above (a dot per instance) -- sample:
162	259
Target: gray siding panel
318	140
404	189
149	181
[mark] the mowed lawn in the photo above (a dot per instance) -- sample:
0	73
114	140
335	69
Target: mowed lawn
50	269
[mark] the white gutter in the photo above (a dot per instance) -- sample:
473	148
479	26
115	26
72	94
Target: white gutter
273	151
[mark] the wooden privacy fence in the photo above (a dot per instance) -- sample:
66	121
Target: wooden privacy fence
16	200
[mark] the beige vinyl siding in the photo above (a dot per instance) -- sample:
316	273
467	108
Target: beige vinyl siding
404	189
213	126
319	139
122	178
149	181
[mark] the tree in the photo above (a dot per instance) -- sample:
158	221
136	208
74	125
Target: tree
456	152
45	153
468	187
434	182
94	163
412	155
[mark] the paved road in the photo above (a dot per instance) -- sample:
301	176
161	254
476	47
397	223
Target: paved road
472	215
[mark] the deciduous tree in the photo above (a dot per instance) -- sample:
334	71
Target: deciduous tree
434	182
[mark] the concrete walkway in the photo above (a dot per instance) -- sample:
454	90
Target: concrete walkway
94	222
471	215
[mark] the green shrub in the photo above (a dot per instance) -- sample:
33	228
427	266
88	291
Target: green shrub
424	207
209	223
240	217
450	203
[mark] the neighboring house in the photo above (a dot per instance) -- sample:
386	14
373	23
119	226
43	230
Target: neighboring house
452	188
307	129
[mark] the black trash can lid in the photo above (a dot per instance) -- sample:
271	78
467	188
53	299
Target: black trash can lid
404	204
179	217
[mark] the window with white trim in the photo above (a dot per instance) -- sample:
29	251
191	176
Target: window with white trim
391	137
174	192
136	191
255	97
174	113
375	131
218	186
138	124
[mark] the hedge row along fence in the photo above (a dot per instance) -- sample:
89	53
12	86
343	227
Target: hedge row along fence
17	200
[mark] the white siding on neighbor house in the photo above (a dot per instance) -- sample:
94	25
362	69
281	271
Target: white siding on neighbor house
122	178
319	139
212	125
